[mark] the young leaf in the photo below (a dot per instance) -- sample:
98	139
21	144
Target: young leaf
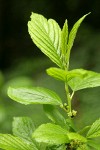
34	95
64	75
46	34
94	144
55	116
86	79
76	136
64	37
51	134
57	73
23	127
94	130
9	142
72	35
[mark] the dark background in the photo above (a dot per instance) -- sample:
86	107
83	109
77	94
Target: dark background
15	41
22	63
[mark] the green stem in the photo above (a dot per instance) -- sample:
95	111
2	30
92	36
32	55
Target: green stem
68	97
72	95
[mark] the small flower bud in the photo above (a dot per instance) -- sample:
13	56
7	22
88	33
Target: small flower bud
61	106
74	113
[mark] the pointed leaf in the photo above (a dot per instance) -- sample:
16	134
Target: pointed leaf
46	35
64	37
72	35
86	79
23	127
51	134
34	95
94	130
9	142
55	116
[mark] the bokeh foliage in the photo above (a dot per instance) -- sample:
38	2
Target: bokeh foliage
22	64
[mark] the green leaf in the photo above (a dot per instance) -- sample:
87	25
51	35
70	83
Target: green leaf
51	134
9	142
64	37
57	73
94	130
57	147
85	79
72	35
64	75
76	136
46	34
55	116
34	95
23	127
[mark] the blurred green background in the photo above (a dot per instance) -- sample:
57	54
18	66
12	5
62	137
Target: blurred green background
22	63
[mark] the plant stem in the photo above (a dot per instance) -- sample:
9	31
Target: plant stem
69	111
68	97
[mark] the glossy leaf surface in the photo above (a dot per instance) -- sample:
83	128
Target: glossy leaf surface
72	35
64	38
10	142
85	79
46	34
51	134
34	95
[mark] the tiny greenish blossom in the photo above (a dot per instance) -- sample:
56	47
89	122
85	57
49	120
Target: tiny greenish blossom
60	133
